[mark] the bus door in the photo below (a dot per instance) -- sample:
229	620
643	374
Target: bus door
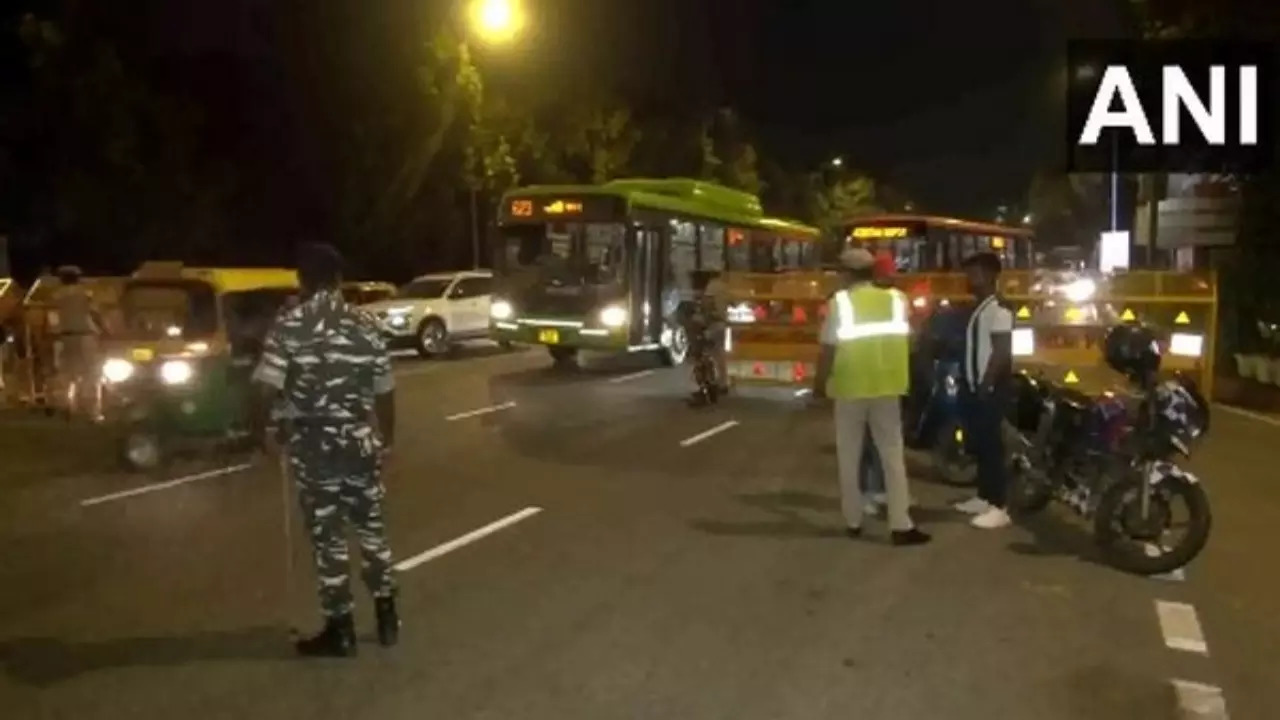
646	286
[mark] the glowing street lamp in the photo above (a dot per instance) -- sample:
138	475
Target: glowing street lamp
496	21
837	162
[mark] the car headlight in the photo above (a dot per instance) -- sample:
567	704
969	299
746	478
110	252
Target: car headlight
501	310
115	370
1080	290
176	372
613	316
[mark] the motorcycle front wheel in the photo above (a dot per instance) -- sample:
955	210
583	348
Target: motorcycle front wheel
1133	541
951	464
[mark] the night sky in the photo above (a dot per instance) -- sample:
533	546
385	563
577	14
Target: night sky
950	101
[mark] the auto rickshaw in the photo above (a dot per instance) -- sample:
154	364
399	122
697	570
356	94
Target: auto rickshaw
176	376
363	293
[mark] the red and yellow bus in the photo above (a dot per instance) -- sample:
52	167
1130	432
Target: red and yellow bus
933	244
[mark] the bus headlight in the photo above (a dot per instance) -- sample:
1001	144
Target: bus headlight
501	310
176	372
613	316
115	370
1080	290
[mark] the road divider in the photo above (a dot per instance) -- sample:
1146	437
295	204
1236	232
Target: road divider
631	376
481	411
1181	627
153	487
708	433
464	540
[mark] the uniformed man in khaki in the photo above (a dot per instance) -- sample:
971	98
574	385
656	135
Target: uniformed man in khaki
77	326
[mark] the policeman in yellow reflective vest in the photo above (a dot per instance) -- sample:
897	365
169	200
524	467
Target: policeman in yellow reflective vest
863	367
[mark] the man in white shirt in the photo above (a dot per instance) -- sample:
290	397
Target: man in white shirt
988	363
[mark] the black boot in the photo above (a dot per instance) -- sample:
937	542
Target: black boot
388	621
337	639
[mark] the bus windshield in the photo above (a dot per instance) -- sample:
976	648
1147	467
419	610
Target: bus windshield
592	253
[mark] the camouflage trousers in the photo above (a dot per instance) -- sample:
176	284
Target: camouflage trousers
339	483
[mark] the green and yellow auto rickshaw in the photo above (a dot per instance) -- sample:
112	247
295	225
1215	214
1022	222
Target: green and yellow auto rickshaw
176	373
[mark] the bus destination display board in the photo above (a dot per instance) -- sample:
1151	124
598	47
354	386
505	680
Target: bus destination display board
562	209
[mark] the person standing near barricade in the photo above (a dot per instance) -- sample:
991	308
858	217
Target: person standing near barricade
329	365
988	364
862	366
78	325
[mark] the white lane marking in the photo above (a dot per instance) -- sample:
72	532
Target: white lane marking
1250	414
632	376
804	391
463	540
1181	627
1175	575
1197	701
708	433
481	411
165	485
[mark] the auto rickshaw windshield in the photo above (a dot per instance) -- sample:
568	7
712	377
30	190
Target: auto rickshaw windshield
168	309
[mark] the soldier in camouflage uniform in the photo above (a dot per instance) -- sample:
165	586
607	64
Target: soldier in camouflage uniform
328	363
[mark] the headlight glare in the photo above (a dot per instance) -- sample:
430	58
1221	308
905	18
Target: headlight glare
613	316
501	310
1080	290
116	370
176	372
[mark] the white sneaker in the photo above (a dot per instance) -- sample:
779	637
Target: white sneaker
993	519
973	506
871	508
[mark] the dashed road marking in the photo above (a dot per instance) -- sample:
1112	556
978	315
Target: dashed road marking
803	392
708	433
481	411
1181	627
153	487
464	540
1268	419
631	376
1197	701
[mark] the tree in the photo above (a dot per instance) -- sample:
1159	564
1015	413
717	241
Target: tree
119	169
1068	208
727	156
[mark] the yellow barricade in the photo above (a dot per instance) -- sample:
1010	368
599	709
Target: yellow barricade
1060	321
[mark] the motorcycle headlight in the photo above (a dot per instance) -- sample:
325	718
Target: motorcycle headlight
501	310
176	372
116	370
613	316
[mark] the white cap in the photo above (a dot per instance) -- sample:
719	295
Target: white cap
857	259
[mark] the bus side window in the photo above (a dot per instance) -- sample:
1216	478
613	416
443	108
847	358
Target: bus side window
737	251
711	248
684	256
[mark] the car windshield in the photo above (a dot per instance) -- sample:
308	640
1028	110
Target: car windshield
160	310
424	289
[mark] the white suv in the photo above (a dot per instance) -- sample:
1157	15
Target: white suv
433	312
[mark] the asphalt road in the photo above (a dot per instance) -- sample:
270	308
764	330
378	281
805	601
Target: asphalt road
584	549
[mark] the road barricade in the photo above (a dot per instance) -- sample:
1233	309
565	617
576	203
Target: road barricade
774	324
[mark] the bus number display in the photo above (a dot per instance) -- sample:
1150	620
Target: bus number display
522	208
866	233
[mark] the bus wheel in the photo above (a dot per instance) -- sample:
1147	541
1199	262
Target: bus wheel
565	358
678	348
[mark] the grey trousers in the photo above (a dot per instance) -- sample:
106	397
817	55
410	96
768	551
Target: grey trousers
883	417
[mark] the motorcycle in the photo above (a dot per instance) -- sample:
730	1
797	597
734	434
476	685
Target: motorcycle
701	357
1116	467
938	427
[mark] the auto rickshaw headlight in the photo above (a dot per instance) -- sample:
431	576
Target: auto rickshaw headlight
176	372
116	370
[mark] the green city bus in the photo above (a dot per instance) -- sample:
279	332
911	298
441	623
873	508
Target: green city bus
604	267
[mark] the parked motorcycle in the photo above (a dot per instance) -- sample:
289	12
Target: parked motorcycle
938	427
1114	465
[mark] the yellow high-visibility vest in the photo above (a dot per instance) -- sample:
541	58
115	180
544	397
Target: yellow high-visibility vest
872	344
